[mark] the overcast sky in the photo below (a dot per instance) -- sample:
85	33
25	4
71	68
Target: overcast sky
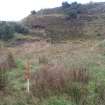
17	9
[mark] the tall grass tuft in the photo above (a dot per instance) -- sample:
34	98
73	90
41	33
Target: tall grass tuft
43	60
11	61
3	77
79	74
6	63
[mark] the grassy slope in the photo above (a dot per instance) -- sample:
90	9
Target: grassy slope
72	54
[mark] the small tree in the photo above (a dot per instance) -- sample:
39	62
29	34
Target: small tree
73	10
33	12
65	5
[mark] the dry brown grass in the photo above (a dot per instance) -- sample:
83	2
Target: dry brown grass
79	75
55	79
74	52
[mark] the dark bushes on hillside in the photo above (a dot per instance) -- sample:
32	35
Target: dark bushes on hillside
65	4
73	9
6	31
33	12
19	28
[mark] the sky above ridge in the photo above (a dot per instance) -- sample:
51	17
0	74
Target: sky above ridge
15	10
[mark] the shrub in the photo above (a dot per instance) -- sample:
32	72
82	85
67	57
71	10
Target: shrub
73	9
19	28
33	12
6	31
65	5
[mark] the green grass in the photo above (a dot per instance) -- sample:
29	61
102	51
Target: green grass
58	101
23	37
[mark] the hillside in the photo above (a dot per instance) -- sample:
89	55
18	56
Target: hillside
60	23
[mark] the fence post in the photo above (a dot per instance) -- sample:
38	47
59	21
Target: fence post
27	76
